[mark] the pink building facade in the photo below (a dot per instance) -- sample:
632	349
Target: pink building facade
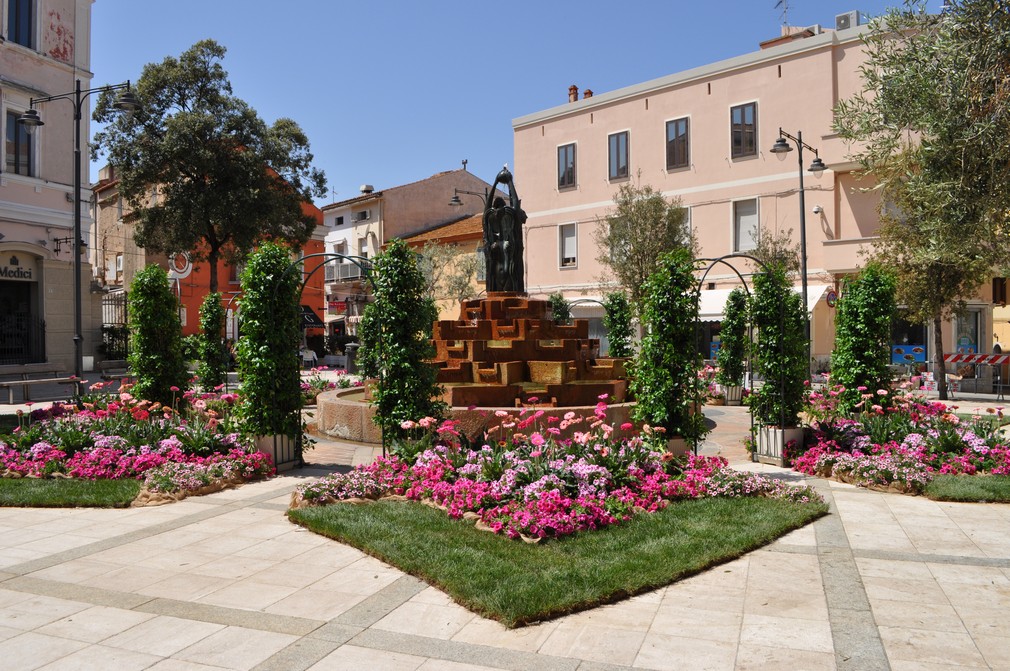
703	136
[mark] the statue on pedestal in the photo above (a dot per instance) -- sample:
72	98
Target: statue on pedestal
503	238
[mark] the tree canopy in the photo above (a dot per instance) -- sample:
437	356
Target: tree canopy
203	173
632	238
931	123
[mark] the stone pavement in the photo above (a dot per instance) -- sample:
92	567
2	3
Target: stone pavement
225	582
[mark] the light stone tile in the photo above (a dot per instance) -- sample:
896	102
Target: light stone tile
290	574
980	596
95	624
433	597
102	658
915	615
934	647
421	619
31	650
358	579
315	604
184	586
354	658
126	579
332	555
248	595
807	605
627	614
675	653
445	665
236	648
594	642
975	575
765	658
898	589
180	665
163	635
906	665
76	571
57	543
481	631
182	559
890	568
232	567
731	602
275	550
38	611
984	620
995	650
712	625
786	632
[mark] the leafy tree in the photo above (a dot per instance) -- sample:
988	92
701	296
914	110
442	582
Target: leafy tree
213	353
734	340
778	249
223	178
266	353
396	342
630	240
862	353
155	338
931	124
449	271
664	375
561	309
780	355
617	321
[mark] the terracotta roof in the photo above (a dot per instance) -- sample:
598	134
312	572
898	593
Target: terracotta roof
470	227
366	196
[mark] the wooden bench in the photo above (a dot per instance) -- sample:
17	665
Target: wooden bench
30	374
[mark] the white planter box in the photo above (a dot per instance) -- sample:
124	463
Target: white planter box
282	449
733	394
770	447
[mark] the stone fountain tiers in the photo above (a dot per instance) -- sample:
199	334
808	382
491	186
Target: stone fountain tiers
505	349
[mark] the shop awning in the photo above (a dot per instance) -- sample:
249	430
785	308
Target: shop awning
310	320
712	307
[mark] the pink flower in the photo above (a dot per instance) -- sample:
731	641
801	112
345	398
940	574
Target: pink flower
174	388
407	424
627	426
501	413
537	438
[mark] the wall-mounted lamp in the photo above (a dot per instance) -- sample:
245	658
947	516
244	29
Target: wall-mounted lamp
66	241
818	209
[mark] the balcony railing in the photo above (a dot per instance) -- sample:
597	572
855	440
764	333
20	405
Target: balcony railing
339	272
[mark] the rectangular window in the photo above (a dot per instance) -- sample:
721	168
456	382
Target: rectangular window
618	155
119	263
339	221
20	22
568	245
677	144
18	147
363	248
743	130
566	166
687	220
745	225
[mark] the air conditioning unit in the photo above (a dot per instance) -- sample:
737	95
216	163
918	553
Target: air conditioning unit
848	20
364	215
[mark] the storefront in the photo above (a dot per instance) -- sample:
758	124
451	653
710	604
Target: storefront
22	328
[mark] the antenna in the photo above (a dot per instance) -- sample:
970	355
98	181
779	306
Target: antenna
784	4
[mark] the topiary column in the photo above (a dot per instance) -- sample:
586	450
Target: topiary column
617	321
156	359
213	355
664	375
734	346
267	350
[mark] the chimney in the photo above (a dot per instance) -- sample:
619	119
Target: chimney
573	93
588	93
366	189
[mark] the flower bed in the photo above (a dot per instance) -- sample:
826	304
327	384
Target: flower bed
534	485
315	384
898	441
119	436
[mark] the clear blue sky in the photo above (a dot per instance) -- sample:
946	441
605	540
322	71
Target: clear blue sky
392	91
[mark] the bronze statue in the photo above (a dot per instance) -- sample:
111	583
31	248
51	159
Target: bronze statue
503	238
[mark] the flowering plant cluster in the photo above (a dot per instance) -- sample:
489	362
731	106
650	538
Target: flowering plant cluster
119	436
536	485
313	385
900	440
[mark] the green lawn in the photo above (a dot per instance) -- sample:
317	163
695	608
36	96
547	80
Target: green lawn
518	583
970	488
65	493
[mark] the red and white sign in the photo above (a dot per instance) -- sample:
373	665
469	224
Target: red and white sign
991	359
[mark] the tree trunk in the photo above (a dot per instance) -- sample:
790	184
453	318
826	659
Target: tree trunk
939	367
212	257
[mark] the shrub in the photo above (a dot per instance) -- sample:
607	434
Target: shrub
866	309
664	375
267	349
213	353
780	355
156	357
561	309
617	321
735	343
395	337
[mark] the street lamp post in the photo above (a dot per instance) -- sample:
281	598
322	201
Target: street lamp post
781	148
31	120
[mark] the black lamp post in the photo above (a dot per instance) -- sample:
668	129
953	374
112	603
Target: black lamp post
30	120
781	148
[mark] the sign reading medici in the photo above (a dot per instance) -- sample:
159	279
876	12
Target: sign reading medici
14	268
